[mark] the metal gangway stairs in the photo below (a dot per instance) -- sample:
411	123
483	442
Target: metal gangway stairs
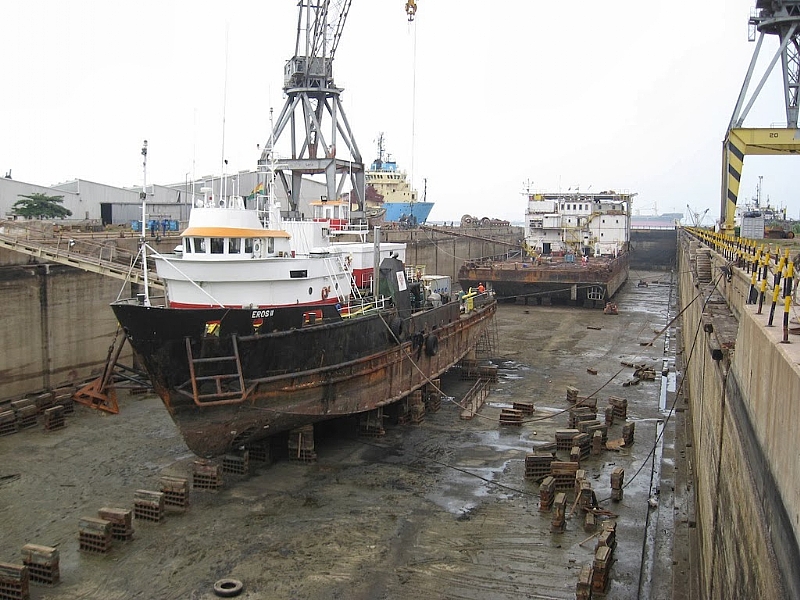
88	252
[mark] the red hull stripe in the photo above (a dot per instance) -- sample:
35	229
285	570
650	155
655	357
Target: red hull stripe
331	300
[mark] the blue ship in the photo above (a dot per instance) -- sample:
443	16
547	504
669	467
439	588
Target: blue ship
405	211
388	188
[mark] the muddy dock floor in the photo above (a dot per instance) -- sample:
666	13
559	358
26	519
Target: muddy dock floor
441	509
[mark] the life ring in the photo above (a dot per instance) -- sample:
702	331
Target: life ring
257	247
396	326
325	292
432	345
228	588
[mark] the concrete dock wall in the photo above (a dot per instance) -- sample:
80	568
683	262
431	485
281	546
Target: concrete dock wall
744	391
443	254
56	327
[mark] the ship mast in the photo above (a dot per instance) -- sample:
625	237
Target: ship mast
312	99
143	196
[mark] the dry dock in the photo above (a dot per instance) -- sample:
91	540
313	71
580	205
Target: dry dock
439	509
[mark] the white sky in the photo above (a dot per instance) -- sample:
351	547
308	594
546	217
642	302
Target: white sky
613	95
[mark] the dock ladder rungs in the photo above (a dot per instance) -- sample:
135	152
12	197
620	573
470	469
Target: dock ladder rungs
219	378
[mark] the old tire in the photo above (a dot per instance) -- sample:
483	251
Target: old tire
431	345
396	326
228	588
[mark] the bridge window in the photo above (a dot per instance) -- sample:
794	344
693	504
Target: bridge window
217	245
248	245
199	245
187	246
234	245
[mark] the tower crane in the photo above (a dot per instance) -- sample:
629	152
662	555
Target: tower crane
782	19
313	106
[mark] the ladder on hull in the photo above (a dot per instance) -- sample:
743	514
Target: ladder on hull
228	384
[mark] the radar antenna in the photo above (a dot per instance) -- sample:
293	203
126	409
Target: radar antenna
313	99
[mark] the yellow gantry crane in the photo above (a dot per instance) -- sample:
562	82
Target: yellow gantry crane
771	17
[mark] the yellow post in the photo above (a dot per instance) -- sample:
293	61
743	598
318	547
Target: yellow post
776	289
787	300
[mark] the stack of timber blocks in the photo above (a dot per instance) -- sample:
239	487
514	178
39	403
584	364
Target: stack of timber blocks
511	416
579	414
469	368
583	442
403	411
564	474
148	506
572	394
205	475
8	422
94	535
301	444
176	492
603	557
416	405
547	494
26	412
63	397
526	408
597	443
620	407
45	401
583	590
237	463
121	521
433	395
559	522
564	439
609	413
14	582
54	418
537	465
370	423
587	500
488	373
617	476
627	433
260	452
600	569
42	563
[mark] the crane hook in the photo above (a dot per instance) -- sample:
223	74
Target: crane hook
411	9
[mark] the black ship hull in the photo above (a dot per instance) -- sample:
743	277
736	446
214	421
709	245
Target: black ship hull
230	377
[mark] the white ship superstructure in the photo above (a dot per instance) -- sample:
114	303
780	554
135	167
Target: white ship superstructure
578	223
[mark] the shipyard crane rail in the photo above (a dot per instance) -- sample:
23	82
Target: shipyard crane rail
74	252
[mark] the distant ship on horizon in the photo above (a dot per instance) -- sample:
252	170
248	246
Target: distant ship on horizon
388	188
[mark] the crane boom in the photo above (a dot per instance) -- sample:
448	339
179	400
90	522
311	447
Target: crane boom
780	18
313	111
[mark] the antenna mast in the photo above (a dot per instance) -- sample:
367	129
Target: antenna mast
143	196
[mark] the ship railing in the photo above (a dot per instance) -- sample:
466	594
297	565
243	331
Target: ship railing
365	306
156	301
340	275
